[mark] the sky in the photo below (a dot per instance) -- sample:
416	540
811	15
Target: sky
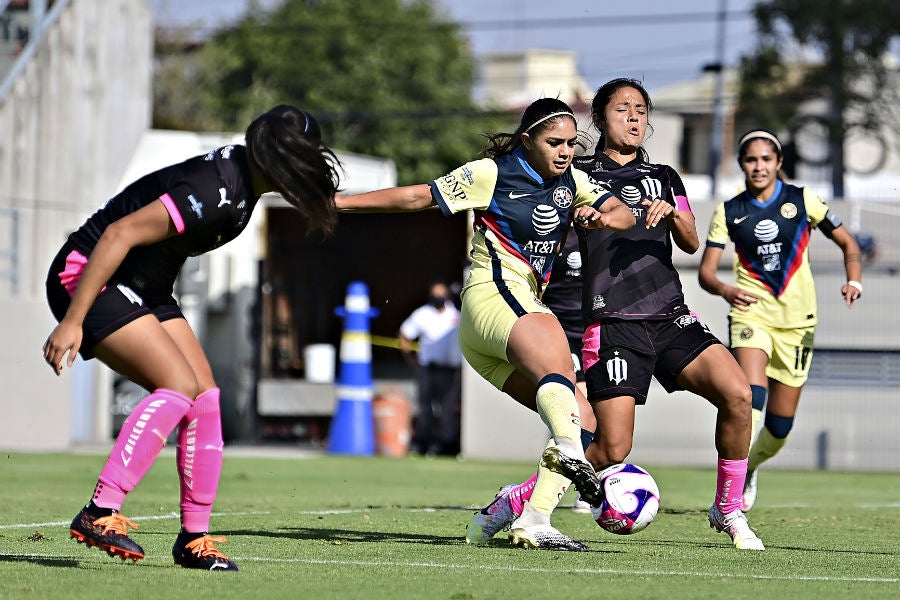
659	42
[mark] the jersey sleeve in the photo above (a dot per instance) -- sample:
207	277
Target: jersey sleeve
676	193
196	202
588	191
819	214
718	229
470	186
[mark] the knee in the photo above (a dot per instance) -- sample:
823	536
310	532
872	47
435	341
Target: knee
738	399
607	451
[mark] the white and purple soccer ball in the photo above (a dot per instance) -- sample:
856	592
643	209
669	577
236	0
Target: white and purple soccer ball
632	499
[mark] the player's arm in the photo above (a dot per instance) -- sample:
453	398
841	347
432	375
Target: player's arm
398	199
852	290
148	225
612	214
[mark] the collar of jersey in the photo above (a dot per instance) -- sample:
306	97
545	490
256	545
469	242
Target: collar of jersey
603	157
775	194
519	153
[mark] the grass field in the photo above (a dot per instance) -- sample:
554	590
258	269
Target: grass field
349	527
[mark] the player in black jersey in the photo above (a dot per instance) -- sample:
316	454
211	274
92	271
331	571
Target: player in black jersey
639	325
524	194
111	285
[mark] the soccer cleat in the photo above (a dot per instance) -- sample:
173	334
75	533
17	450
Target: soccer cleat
581	507
580	472
735	525
108	530
491	519
748	499
198	551
545	537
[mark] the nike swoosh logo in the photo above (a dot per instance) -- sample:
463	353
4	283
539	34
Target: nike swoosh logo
514	195
740	219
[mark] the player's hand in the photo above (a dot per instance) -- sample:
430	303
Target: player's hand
851	294
589	218
738	298
66	337
657	210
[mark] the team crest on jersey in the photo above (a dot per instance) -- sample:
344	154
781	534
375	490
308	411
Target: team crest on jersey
652	186
617	369
562	197
545	219
630	195
766	230
771	262
746	333
685	320
788	210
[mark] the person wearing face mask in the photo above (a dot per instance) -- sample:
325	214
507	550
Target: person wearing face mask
523	193
438	374
773	298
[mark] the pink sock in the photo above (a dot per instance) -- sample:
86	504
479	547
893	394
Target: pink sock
199	458
730	484
520	494
142	437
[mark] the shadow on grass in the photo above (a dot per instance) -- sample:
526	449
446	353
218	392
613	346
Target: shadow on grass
42	561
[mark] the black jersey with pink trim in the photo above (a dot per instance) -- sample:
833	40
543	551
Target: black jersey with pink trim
563	292
209	199
629	274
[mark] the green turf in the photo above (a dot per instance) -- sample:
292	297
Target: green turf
338	527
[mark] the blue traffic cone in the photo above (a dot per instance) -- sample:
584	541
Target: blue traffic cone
352	426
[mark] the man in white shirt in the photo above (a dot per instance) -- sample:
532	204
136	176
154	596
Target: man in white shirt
437	366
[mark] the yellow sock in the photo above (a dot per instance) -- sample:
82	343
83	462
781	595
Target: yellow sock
558	409
755	418
548	490
765	447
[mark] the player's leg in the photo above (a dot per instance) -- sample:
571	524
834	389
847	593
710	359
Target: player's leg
753	363
716	376
198	459
142	351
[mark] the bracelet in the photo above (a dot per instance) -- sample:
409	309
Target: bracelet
855	284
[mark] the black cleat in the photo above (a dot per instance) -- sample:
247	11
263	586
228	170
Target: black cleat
580	472
106	529
198	551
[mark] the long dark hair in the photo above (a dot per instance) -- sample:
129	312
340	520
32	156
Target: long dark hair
285	144
601	100
536	117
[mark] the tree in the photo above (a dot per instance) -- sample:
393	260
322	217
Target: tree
852	38
390	78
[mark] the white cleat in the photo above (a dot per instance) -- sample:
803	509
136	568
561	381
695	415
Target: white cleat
545	537
748	499
735	525
494	517
581	507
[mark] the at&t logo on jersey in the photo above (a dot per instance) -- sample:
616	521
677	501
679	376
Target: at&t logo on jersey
562	197
630	195
617	369
545	219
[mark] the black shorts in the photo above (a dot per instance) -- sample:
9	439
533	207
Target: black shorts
621	356
116	306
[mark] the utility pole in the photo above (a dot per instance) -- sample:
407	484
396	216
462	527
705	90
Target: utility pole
715	146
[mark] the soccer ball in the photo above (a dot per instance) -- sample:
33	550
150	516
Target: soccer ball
632	499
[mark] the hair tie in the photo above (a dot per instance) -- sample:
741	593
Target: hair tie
759	133
550	116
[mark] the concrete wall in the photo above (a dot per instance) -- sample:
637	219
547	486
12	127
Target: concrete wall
68	127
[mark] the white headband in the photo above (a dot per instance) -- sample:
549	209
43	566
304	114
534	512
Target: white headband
760	134
550	116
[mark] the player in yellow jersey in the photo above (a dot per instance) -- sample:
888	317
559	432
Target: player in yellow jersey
773	298
523	193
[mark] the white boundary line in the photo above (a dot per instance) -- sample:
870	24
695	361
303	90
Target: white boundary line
510	569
